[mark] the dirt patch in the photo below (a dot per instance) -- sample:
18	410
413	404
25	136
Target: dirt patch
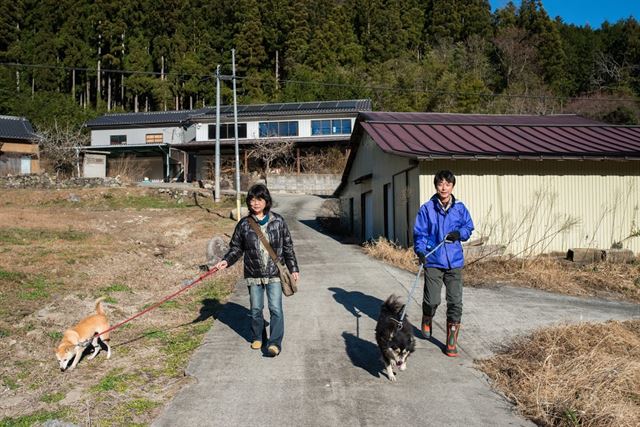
59	251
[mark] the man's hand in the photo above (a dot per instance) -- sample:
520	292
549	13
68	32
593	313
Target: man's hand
421	258
454	236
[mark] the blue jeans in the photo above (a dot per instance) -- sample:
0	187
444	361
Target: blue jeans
276	321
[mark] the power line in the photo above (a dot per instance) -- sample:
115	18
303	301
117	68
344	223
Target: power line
205	77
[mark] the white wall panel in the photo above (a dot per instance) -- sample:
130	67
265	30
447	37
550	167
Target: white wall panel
524	204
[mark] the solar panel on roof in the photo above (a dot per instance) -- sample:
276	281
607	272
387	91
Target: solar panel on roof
267	108
290	107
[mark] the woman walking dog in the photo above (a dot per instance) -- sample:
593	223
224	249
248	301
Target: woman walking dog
260	272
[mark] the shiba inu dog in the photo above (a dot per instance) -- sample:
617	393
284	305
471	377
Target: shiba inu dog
71	346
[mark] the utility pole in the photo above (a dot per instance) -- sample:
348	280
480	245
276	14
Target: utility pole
235	131
98	83
217	160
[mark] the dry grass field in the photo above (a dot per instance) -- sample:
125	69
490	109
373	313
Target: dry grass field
59	251
579	375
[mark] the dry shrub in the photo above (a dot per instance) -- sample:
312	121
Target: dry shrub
587	374
556	275
128	168
606	280
331	160
392	254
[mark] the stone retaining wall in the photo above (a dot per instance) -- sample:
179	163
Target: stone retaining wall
308	183
46	181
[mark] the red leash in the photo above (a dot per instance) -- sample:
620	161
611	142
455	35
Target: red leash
148	309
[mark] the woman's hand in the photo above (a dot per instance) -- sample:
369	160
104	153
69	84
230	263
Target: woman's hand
221	265
295	276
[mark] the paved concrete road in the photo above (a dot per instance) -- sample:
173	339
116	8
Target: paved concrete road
329	372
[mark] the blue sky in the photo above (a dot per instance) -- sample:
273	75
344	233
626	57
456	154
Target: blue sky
581	12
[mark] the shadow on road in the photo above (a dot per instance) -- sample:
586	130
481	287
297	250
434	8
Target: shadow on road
363	354
356	302
236	317
329	231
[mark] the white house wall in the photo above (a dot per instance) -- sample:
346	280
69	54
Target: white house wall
136	136
304	126
371	160
525	204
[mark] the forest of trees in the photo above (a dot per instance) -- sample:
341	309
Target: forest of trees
69	60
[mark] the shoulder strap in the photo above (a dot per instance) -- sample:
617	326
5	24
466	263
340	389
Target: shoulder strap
263	239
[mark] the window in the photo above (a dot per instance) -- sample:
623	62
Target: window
227	131
117	139
331	127
271	129
153	138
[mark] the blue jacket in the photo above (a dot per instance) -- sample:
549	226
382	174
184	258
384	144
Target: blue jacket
433	224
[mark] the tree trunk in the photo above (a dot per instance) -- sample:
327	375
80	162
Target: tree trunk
135	103
109	93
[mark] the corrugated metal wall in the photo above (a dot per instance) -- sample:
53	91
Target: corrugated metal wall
543	206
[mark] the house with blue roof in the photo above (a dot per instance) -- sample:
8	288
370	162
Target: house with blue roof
180	145
19	149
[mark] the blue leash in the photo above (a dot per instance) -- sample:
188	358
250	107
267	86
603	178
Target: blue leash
415	285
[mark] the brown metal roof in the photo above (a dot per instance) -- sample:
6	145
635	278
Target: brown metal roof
437	135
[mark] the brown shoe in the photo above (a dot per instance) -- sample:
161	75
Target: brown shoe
273	350
256	345
426	326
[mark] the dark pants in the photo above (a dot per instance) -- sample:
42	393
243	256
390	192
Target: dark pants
434	278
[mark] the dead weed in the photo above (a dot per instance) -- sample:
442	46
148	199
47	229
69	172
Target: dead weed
553	274
587	375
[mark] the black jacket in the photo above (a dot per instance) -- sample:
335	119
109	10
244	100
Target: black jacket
245	240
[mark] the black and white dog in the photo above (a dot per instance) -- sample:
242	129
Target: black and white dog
396	344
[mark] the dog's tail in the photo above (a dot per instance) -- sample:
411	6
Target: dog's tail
99	308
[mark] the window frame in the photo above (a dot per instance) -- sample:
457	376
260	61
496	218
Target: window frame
118	139
151	138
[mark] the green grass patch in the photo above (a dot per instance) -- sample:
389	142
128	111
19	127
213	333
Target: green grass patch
110	300
29	236
52	397
115	200
116	287
141	406
35	289
171	304
114	381
10	276
156	334
10	383
4	333
35	418
55	335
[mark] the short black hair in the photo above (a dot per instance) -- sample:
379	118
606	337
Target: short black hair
259	191
444	175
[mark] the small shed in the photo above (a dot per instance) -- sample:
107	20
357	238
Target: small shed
532	183
19	150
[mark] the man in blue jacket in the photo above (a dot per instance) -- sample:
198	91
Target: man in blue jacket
442	218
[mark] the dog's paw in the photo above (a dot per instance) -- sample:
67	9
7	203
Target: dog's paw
390	374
